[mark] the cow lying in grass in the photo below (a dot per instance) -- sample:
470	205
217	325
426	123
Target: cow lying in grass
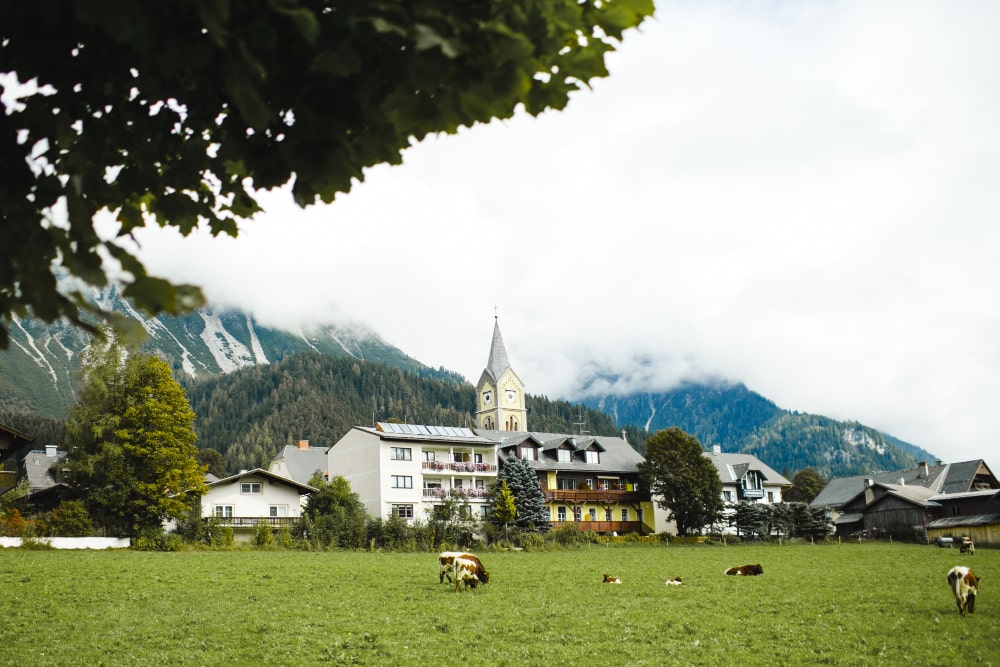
608	579
965	585
446	558
676	581
746	570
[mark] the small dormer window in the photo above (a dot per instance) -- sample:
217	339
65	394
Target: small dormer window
564	455
528	454
593	456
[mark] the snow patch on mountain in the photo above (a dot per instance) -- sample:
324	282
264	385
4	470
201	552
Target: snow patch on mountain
229	353
652	414
258	349
38	356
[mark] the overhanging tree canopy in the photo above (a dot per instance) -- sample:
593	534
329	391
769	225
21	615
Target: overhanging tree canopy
175	113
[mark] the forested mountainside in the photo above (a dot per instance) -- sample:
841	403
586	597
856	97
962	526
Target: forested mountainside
250	414
38	371
740	420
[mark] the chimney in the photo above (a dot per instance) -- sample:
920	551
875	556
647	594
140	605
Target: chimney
924	470
50	451
869	482
624	437
902	481
716	450
303	444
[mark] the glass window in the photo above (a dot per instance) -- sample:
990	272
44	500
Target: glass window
403	511
560	513
402	481
624	514
566	484
250	487
528	453
478	458
428	456
607	515
576	514
592	512
277	510
400	454
224	511
564	455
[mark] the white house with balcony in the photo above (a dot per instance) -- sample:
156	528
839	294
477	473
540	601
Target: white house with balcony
404	470
254	497
744	477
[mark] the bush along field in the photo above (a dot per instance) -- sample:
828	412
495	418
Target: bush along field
831	604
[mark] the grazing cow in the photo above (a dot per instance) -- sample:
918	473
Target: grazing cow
676	581
968	547
965	585
464	571
445	559
746	570
608	579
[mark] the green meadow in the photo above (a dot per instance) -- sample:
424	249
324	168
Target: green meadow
838	604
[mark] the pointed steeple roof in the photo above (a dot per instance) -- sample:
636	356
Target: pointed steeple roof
498	362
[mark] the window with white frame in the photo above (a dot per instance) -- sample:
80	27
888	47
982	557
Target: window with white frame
401	481
250	487
607	515
565	484
223	511
576	514
429	456
484	512
403	511
624	514
528	454
770	497
400	453
593	456
477	458
560	513
481	484
727	496
277	510
564	455
592	514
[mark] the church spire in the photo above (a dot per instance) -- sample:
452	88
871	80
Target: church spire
498	362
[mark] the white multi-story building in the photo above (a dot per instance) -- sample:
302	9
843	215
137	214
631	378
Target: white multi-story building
746	478
404	470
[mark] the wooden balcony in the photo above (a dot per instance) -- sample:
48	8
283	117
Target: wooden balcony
620	527
594	496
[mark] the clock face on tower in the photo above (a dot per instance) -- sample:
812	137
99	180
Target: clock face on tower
511	395
487	398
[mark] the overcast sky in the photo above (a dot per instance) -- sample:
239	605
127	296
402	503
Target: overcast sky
801	196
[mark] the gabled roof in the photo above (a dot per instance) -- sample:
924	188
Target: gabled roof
916	495
617	456
941	478
260	472
37	466
732	468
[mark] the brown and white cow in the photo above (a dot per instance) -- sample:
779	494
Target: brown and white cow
446	558
746	570
968	547
965	585
608	579
676	581
465	571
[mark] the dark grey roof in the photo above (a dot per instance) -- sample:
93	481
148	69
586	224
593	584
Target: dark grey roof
917	495
616	455
941	478
732	468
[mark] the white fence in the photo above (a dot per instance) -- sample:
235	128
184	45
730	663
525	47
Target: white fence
72	542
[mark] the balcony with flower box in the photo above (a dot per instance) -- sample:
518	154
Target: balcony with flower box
441	492
457	466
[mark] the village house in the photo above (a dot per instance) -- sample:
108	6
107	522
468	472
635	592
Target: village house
926	502
253	498
301	462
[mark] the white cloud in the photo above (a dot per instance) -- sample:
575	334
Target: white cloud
800	196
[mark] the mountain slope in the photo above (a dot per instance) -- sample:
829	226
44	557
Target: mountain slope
742	421
37	372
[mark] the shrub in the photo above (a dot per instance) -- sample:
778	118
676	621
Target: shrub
156	540
263	535
70	519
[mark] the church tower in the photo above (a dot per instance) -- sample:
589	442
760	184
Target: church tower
499	392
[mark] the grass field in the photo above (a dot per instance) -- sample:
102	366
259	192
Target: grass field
849	604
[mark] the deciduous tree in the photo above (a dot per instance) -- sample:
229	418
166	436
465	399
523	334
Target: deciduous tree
685	481
177	113
806	485
131	454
